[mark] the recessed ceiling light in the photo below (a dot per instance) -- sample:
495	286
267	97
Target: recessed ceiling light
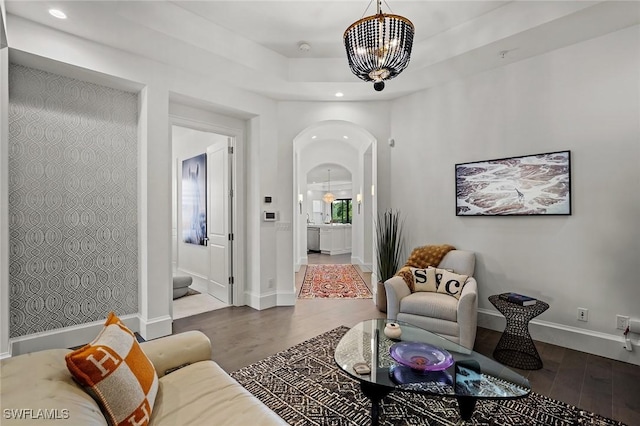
346	137
339	94
313	137
57	14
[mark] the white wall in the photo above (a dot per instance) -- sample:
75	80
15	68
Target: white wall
584	98
159	82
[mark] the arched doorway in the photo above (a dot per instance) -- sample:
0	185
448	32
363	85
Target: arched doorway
348	145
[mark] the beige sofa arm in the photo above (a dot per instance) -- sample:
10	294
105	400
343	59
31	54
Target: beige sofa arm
396	289
172	352
468	313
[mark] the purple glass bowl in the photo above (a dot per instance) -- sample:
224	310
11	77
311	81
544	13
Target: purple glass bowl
404	375
421	356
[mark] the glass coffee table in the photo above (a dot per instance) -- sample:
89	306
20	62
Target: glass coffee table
446	369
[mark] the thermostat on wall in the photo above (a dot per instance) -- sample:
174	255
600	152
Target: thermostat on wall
269	216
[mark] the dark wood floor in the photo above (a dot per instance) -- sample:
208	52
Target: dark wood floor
242	336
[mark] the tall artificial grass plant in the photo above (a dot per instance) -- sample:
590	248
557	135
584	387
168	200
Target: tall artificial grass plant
389	251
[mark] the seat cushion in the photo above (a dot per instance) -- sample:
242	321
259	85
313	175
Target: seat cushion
181	286
180	282
203	394
40	380
434	305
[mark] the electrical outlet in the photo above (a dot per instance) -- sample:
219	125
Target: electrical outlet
583	314
622	322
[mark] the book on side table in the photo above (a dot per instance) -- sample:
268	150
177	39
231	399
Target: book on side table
518	299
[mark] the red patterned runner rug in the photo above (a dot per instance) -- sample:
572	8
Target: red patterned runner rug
333	282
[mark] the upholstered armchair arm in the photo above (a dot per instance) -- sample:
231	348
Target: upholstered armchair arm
396	289
172	352
468	313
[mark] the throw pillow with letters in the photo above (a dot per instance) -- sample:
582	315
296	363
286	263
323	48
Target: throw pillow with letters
117	373
450	283
424	279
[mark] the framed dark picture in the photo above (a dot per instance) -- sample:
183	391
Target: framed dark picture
194	200
529	185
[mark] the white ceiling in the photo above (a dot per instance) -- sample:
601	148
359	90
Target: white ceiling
254	44
319	175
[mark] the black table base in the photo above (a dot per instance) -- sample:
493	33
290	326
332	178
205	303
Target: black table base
516	347
466	405
375	393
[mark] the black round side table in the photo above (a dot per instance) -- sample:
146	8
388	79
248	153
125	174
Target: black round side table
516	347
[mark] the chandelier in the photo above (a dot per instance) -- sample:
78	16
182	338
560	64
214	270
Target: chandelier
379	46
329	197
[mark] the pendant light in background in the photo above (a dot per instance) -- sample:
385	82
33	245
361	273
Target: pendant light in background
329	197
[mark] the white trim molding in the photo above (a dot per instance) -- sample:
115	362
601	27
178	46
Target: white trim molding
592	342
261	301
77	335
287	299
67	337
155	327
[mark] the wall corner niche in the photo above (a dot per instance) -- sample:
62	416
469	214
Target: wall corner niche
73	200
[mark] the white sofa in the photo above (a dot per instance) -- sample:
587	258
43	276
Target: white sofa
198	393
453	319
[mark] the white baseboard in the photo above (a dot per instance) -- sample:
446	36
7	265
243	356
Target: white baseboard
335	252
78	335
198	280
356	260
287	299
592	342
63	338
155	327
261	302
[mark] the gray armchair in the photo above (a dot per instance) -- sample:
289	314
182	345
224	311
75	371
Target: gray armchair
454	319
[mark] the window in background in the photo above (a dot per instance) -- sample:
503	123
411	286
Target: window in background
342	210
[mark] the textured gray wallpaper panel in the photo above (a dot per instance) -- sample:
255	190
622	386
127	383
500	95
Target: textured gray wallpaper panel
72	201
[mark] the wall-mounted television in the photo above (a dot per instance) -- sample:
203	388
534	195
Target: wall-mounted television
537	184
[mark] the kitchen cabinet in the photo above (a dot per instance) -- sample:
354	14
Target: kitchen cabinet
335	239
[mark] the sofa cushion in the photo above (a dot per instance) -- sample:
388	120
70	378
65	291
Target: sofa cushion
428	304
116	372
204	394
40	380
424	279
450	283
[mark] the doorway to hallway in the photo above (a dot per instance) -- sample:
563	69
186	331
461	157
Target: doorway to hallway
209	260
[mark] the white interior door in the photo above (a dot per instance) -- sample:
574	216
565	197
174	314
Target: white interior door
219	230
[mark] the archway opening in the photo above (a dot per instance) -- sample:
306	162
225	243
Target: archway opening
351	149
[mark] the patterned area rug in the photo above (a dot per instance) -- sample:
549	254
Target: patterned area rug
305	387
333	282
